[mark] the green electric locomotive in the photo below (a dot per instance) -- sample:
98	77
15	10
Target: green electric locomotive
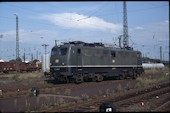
78	61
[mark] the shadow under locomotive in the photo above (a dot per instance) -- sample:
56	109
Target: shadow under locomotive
55	81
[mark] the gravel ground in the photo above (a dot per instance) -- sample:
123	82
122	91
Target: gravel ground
29	103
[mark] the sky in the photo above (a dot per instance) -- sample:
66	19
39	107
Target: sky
102	21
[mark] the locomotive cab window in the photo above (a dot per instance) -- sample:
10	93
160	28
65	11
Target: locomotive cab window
54	52
63	51
113	53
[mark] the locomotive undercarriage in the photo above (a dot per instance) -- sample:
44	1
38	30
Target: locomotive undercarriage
96	74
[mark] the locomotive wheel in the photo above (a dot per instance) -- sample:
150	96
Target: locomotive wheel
121	76
94	79
67	80
78	79
134	75
99	78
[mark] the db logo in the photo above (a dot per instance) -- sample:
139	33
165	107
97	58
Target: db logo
108	109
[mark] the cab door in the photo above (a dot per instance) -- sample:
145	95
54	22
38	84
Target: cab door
79	61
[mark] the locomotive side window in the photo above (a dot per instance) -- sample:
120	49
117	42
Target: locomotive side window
79	51
113	53
63	51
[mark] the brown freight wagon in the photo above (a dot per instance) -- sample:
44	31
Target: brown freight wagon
7	66
10	66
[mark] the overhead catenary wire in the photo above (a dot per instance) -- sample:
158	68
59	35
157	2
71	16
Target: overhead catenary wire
45	23
63	18
139	10
69	30
71	20
99	9
129	11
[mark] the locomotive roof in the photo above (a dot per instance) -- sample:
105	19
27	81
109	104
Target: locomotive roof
92	45
80	43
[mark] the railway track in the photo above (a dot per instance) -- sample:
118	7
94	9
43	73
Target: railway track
14	91
145	101
46	88
163	107
119	100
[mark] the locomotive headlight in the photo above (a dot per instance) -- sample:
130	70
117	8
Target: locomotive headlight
56	61
113	61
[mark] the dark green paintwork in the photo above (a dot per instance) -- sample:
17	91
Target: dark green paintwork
123	57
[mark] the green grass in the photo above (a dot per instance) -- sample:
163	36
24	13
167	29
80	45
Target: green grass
145	81
24	76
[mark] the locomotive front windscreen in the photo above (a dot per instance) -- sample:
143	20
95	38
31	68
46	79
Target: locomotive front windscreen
63	51
59	51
